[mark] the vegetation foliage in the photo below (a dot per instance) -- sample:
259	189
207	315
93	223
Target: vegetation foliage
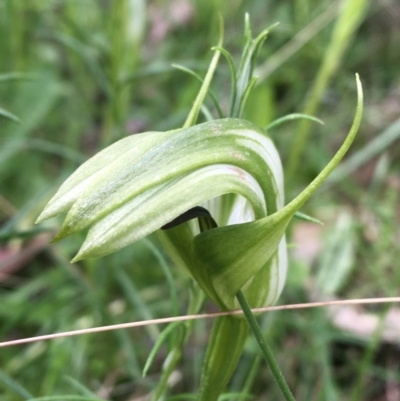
76	76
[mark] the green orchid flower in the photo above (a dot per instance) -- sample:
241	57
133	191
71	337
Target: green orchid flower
229	166
232	169
213	192
143	182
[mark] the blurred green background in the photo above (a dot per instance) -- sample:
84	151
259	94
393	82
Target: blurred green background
80	74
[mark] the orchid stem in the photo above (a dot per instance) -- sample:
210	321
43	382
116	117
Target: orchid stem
265	350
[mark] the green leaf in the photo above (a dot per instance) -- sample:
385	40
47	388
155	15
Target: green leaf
10	234
159	342
16	76
306	217
8	115
224	349
291	117
244	77
194	112
12	384
201	80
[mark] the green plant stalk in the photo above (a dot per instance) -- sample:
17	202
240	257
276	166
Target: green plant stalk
170	363
227	340
177	345
298	41
252	373
116	34
158	344
266	351
194	112
8	115
347	23
225	347
122	59
16	26
367	359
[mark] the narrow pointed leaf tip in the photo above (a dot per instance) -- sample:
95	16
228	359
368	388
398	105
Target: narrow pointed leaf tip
145	181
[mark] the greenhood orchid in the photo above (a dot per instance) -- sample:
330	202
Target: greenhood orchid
145	181
230	166
213	192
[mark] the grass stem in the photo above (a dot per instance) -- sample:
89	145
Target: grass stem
265	350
